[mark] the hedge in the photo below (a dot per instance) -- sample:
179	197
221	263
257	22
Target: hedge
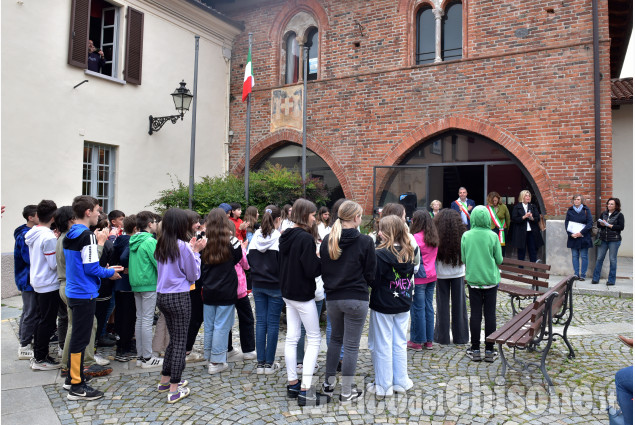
271	185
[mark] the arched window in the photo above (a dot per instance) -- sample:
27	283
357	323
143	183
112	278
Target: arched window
425	35
312	41
292	51
452	32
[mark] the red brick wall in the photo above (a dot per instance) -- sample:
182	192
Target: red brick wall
532	95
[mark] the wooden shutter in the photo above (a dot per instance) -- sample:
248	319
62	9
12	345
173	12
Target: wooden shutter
134	47
78	38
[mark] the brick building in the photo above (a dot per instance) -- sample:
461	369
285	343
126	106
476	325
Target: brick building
492	96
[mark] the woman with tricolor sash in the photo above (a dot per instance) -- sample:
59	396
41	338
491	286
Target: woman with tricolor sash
500	217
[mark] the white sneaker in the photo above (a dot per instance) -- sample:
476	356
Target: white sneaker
271	369
380	392
26	352
139	361
300	367
217	368
101	361
194	357
250	356
234	356
46	364
402	390
151	362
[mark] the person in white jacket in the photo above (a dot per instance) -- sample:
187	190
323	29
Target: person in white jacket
43	274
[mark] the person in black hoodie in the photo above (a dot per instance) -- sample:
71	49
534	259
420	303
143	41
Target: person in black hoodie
348	268
219	284
299	266
104	300
263	256
126	313
390	301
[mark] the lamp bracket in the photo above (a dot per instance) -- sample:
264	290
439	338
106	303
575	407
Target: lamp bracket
157	122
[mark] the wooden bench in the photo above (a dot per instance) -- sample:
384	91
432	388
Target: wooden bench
532	329
533	276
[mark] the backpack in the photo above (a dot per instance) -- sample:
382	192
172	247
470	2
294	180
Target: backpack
421	273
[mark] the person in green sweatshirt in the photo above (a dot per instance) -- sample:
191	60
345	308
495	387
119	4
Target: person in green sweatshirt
142	270
481	252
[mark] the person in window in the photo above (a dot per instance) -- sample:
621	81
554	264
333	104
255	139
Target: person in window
96	59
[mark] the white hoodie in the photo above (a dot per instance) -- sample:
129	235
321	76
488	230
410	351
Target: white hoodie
41	242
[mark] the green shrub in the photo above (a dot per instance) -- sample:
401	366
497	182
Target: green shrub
271	185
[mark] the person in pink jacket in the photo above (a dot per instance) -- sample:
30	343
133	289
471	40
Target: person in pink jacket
246	322
421	311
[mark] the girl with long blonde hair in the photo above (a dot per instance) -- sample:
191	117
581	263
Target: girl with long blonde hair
390	301
348	268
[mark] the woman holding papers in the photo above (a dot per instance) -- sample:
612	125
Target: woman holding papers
578	224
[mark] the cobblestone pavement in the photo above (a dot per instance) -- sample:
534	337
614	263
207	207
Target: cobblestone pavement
449	388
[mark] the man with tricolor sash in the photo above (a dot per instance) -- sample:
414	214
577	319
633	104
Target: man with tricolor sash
464	206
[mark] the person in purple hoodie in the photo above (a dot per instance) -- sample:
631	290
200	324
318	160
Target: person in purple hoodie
178	267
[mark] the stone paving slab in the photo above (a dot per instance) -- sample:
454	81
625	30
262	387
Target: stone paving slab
449	388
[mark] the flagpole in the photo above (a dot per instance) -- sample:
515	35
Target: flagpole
247	137
304	76
193	141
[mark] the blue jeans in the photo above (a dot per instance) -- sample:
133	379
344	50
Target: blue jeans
300	349
575	257
422	314
218	320
268	308
387	344
612	248
624	387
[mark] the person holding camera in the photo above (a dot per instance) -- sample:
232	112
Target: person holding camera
96	60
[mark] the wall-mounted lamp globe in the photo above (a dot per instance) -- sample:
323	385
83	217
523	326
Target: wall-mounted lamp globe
182	98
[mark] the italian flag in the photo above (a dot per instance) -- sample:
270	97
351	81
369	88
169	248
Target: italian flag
248	83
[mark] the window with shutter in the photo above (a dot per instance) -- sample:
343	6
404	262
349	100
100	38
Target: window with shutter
94	37
134	47
78	39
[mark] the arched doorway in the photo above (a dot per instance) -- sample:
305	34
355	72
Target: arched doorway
289	155
437	167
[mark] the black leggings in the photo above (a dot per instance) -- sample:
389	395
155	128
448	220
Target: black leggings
101	310
245	326
482	301
125	319
196	320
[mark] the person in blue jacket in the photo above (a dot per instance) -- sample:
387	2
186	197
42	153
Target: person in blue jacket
83	274
21	267
463	206
580	241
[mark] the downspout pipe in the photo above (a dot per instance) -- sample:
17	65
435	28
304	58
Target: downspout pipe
597	100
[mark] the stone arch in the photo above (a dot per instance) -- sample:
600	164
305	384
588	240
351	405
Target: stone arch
505	139
277	139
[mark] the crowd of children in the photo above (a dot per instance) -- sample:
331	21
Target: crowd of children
75	265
